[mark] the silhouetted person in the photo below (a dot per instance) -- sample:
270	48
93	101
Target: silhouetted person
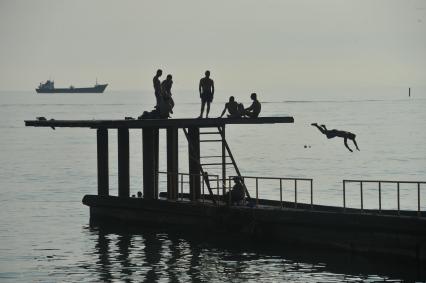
254	109
206	89
233	107
237	192
139	194
157	87
336	133
167	103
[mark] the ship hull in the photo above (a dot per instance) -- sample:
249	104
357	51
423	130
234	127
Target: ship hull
96	89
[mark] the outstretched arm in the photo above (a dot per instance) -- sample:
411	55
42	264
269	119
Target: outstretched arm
346	144
224	110
318	127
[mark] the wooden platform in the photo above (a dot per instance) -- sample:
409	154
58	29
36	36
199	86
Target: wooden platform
158	123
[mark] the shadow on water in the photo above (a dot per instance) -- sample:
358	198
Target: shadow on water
152	256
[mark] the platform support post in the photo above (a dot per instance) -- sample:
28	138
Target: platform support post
150	162
172	163
123	162
194	163
223	161
102	149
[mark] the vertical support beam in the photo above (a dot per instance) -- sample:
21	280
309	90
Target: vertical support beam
223	160
156	157
102	149
123	162
172	163
150	162
194	163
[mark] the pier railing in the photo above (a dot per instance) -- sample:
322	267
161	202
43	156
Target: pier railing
187	178
379	183
280	181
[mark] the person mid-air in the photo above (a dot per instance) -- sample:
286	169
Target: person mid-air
336	133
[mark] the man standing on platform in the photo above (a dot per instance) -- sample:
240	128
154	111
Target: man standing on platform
157	87
206	89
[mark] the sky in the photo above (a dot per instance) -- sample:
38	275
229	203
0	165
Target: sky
263	44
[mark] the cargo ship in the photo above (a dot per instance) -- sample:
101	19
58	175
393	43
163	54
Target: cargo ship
49	87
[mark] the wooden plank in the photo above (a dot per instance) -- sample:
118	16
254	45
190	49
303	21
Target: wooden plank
158	123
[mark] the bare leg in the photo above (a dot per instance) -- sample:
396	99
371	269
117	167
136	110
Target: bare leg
355	144
202	109
208	109
346	144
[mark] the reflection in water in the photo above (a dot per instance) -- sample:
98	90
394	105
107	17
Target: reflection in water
151	256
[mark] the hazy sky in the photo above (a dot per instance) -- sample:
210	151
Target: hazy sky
262	44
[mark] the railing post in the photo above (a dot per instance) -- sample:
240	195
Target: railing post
380	197
397	184
281	192
202	187
229	190
418	200
362	197
344	195
181	186
257	191
312	194
295	193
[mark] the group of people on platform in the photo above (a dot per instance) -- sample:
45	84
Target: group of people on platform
165	103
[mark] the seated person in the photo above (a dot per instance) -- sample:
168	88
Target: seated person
254	109
237	192
234	109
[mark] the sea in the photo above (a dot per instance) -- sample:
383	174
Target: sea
45	234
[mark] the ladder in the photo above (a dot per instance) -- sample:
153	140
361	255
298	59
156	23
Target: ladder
217	137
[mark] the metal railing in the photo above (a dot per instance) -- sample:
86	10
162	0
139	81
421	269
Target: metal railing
280	179
203	179
380	182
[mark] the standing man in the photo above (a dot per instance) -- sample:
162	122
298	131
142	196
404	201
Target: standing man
157	87
206	89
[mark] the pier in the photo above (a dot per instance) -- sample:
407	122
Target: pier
204	207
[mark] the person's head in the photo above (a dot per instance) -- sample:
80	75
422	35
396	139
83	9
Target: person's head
159	73
169	77
231	99
253	96
236	179
207	74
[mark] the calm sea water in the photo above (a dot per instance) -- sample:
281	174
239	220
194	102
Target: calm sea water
44	231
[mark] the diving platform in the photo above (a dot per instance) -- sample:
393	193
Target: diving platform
157	123
197	200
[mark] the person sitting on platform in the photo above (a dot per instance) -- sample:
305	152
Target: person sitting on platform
233	107
336	133
237	192
254	109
